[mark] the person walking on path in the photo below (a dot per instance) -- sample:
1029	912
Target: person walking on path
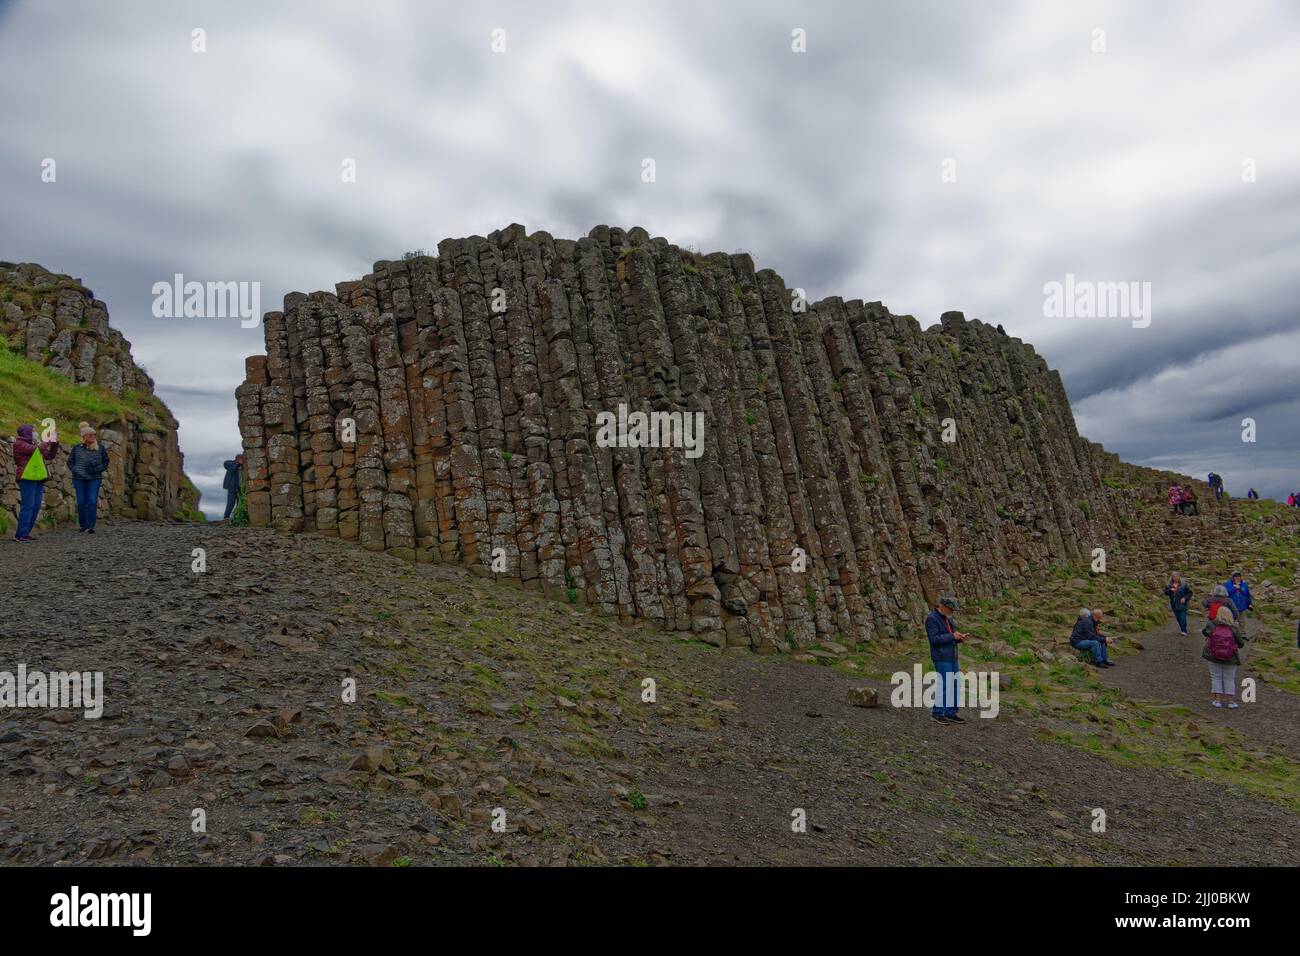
234	477
1239	591
1087	636
1179	593
87	463
1223	642
1218	598
944	638
30	465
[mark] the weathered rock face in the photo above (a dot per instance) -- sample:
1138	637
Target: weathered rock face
54	321
475	379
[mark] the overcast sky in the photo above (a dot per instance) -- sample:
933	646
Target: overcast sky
1128	163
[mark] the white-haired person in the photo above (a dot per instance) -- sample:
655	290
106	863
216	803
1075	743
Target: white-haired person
1087	636
1223	642
1179	593
87	463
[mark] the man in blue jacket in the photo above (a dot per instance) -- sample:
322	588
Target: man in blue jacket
1239	591
944	638
234	474
87	464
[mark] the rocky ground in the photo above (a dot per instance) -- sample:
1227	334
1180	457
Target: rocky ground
225	694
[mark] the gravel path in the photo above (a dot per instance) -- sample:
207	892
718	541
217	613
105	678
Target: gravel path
224	694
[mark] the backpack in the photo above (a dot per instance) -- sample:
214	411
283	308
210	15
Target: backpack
1222	644
35	469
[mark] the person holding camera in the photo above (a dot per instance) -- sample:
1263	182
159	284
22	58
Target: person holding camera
944	638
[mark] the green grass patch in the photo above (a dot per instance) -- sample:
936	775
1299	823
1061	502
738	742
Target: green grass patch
30	393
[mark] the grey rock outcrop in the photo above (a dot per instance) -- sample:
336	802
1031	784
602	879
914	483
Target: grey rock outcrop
475	435
54	321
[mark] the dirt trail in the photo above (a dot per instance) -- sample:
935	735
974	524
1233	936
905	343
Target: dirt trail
223	694
1170	669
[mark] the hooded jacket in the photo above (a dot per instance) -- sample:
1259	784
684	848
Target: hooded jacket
233	476
25	444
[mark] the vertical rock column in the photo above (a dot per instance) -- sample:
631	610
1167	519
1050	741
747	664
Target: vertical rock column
826	503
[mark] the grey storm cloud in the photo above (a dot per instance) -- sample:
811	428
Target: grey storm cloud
825	165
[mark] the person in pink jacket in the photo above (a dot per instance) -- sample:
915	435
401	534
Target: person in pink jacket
31	461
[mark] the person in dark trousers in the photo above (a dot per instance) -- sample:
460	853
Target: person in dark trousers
1239	593
1179	593
87	463
31	461
234	475
944	638
1216	485
1087	636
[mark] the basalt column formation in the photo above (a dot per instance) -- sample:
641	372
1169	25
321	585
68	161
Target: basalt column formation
854	466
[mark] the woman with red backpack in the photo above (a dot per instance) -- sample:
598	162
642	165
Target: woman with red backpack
1223	641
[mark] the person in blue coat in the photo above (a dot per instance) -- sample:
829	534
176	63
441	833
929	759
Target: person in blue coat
944	638
1239	591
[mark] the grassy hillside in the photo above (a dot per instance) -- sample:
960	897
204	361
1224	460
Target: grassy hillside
30	392
1024	634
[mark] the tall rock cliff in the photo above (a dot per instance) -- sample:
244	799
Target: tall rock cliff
51	320
476	380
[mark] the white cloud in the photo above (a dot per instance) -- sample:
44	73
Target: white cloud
825	165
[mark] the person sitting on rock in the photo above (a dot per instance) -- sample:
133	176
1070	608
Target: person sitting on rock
87	463
944	638
30	461
1187	505
234	476
1179	593
1087	636
1175	498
